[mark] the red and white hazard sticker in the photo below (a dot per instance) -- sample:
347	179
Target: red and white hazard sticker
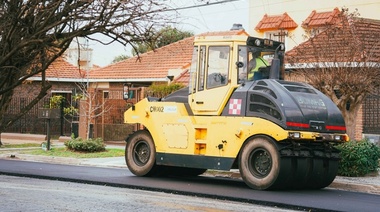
234	107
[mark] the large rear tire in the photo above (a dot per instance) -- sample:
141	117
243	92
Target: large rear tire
140	154
324	172
259	163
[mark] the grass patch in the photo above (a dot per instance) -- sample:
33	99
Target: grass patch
64	152
20	145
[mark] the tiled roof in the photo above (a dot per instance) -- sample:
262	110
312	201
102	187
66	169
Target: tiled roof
320	19
225	33
150	66
156	64
365	32
276	22
61	69
183	78
153	64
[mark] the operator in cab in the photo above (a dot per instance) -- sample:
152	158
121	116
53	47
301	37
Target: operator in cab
255	64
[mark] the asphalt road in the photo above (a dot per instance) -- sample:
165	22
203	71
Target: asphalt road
38	195
212	187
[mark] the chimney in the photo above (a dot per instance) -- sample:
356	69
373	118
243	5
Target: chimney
237	27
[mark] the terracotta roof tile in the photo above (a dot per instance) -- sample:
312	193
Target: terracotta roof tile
225	33
276	22
320	19
62	69
183	78
153	64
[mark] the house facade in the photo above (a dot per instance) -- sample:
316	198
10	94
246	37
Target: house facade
287	20
63	77
290	21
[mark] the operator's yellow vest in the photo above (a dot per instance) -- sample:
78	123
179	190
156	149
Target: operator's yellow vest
260	62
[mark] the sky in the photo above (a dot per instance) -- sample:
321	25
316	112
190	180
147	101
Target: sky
198	20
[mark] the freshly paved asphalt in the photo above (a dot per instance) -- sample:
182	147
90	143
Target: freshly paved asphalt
214	187
113	172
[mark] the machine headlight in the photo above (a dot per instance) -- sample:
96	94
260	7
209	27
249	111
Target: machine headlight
257	42
295	135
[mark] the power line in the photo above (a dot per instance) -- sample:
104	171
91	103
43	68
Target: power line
200	5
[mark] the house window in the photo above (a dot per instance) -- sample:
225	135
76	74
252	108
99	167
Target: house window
106	94
67	101
314	32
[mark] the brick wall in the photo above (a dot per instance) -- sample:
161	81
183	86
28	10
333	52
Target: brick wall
31	89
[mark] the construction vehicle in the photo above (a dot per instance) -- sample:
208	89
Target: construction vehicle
279	134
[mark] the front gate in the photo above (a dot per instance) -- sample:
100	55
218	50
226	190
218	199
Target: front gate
31	123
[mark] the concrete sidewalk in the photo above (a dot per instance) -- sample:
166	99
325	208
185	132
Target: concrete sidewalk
368	184
16	153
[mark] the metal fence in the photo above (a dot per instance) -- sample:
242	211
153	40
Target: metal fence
371	114
30	123
109	125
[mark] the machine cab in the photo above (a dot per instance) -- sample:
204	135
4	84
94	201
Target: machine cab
260	59
220	64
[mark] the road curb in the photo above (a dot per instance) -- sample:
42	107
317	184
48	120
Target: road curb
365	188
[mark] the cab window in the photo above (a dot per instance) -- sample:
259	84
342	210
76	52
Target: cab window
202	68
193	70
218	65
242	64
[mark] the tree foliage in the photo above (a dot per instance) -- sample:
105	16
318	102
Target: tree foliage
35	33
120	58
163	37
342	62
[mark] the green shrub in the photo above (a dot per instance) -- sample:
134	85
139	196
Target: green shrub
162	90
358	158
90	145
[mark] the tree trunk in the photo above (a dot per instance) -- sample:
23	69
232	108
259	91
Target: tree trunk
351	125
350	118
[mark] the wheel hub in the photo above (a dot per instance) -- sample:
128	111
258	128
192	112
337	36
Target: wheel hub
261	163
141	153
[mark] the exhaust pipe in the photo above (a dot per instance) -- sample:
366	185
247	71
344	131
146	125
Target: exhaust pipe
276	64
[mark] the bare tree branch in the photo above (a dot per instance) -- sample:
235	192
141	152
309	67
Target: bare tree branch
35	33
